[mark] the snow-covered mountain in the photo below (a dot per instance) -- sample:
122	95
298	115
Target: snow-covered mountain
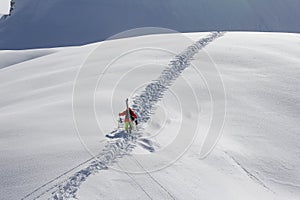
256	158
53	119
52	23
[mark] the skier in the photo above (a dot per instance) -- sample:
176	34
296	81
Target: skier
130	116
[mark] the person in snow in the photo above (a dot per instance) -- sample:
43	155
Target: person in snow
130	117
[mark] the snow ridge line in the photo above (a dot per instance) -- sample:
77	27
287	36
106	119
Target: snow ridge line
144	106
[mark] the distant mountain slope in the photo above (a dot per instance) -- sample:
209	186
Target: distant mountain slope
51	23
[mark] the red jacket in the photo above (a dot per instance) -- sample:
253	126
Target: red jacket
128	118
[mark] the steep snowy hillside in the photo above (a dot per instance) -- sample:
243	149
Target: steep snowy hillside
42	155
52	23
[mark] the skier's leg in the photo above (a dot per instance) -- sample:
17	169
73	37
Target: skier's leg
126	126
129	126
132	125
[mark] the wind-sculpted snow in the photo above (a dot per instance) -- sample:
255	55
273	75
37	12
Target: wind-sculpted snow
144	105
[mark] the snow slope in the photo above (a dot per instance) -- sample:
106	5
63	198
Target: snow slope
78	22
257	157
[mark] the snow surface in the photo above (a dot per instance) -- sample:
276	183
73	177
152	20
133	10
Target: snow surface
78	22
257	157
4	7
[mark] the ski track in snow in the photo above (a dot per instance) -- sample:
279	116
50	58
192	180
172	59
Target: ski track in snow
253	177
67	184
133	179
156	181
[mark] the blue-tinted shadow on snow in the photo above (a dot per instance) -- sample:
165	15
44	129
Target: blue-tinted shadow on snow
119	134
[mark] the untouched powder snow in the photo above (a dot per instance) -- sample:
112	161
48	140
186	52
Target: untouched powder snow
256	158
